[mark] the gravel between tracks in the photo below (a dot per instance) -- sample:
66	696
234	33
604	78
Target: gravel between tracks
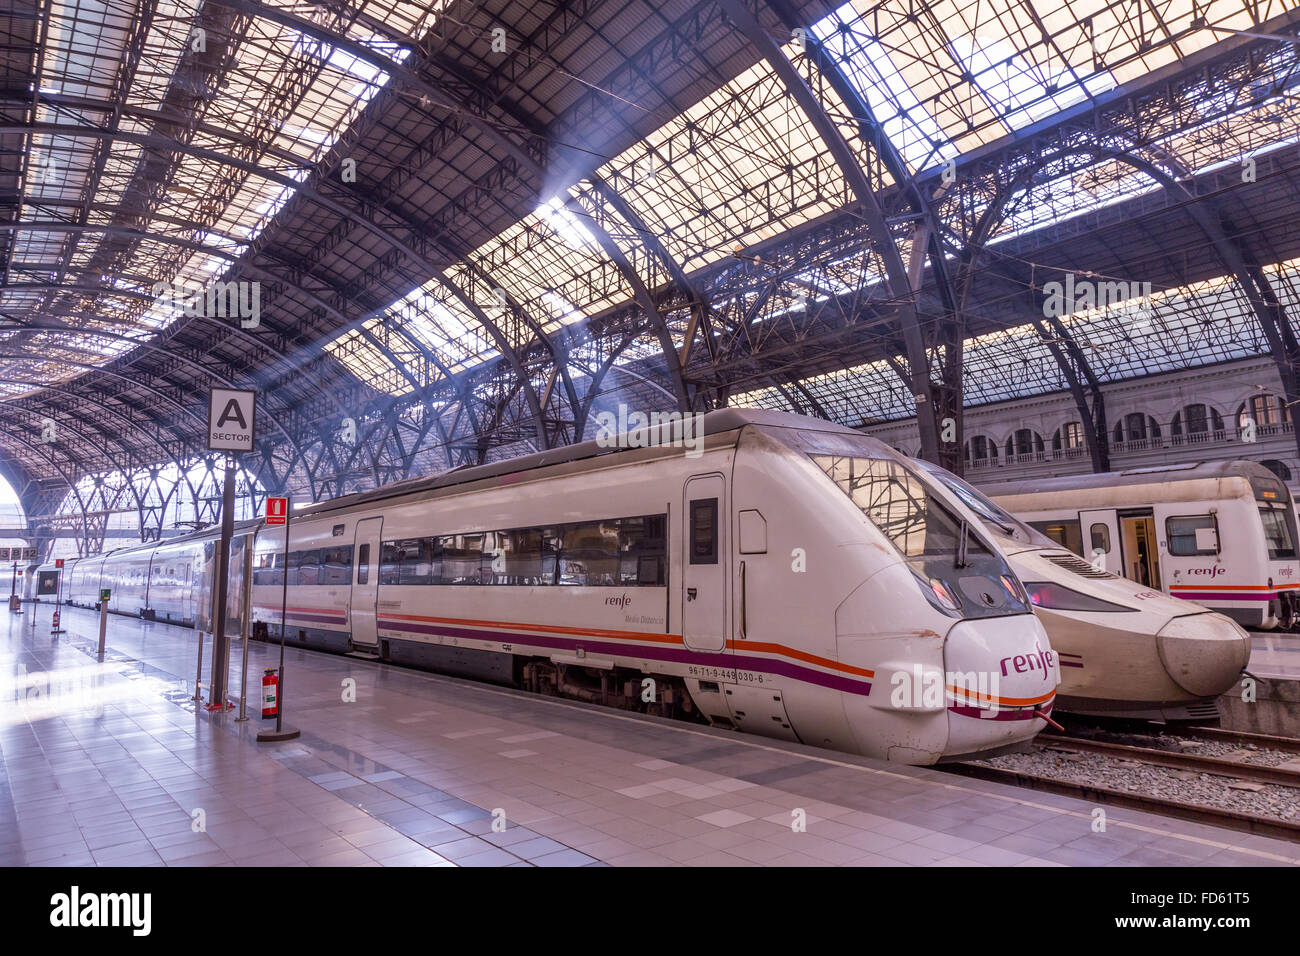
1273	801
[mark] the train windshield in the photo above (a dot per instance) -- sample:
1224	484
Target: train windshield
964	574
1275	512
996	517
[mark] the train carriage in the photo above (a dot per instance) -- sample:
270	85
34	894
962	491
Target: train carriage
780	575
1221	534
782	582
1125	650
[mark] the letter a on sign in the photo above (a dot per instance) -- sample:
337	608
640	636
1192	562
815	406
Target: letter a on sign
231	419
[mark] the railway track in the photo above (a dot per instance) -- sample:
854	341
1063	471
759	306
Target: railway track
1194	812
1174	760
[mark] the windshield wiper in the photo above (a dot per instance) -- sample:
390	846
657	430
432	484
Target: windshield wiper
962	543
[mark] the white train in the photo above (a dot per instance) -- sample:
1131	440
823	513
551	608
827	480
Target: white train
794	578
1125	649
1222	534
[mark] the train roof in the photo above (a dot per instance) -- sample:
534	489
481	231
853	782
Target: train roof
1154	475
714	423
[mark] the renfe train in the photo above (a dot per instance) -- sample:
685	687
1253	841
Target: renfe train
790	578
1222	534
1125	650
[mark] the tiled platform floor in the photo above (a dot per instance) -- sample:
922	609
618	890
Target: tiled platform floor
110	764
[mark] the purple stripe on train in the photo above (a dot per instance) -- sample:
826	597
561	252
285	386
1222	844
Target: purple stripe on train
860	686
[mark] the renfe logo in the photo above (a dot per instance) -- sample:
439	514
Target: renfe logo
619	602
103	909
1213	572
1038	660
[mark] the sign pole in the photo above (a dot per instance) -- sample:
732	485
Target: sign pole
280	732
58	596
220	640
245	625
232	421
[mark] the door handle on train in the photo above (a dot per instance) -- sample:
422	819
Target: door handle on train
690	594
742	601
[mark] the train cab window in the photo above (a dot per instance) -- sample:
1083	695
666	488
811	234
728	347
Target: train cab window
1192	535
363	564
1100	535
1067	534
1277	531
704	531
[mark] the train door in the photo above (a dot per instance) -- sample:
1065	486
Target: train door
365	583
1138	538
704	563
1101	540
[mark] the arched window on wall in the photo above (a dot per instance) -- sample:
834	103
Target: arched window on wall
1069	440
1197	423
1278	468
1137	430
981	452
1024	444
1267	412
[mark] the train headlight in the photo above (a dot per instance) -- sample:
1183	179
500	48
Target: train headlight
947	601
1057	597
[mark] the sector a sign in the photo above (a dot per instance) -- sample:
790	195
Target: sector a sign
231	418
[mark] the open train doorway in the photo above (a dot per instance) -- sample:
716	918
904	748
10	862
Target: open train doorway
1141	556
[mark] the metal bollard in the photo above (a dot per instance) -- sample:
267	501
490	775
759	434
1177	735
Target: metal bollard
103	627
243	672
198	677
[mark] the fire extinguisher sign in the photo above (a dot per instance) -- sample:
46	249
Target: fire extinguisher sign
277	510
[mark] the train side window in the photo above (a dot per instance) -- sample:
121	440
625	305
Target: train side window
308	565
363	564
589	554
413	564
704	531
642	547
387	563
461	555
1191	535
1100	535
525	556
336	567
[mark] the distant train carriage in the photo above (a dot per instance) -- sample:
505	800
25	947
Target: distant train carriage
1125	649
1222	534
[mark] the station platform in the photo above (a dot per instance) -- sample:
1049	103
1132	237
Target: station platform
1275	656
114	764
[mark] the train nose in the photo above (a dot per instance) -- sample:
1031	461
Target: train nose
1002	677
1203	653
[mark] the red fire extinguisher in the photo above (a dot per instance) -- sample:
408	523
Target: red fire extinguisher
270	693
56	618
